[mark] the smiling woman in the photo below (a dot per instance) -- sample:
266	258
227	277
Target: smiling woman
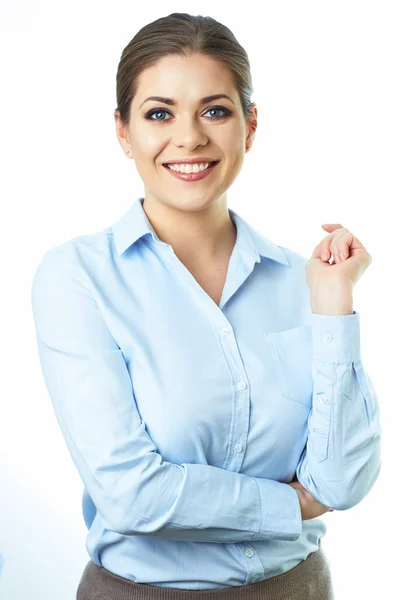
186	117
175	347
184	98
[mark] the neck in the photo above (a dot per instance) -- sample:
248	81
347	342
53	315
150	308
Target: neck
197	235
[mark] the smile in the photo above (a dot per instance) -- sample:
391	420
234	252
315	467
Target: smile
192	176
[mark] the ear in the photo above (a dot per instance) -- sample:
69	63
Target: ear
252	124
121	133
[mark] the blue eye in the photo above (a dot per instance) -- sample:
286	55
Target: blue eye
157	111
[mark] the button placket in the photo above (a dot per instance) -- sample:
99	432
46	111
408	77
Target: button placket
241	407
238	447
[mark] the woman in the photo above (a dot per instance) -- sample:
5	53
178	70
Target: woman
192	369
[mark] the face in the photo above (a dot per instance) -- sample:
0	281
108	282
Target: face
159	132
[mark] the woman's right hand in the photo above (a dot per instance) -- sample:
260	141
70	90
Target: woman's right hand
310	508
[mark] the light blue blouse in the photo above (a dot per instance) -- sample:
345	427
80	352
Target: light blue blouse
187	420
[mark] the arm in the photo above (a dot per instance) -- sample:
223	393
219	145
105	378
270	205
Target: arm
134	489
342	458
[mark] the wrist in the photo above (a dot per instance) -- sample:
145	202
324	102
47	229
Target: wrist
303	499
335	298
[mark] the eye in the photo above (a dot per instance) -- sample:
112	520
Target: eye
225	110
157	111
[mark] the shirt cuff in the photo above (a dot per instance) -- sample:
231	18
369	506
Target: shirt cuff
280	512
336	338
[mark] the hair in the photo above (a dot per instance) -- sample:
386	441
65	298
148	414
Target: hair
181	34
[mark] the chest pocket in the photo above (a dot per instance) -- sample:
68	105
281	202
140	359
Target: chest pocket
292	355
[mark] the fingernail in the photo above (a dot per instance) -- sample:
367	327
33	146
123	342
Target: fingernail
324	254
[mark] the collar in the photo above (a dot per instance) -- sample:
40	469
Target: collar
251	244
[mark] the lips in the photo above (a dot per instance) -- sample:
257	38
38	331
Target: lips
196	163
193	176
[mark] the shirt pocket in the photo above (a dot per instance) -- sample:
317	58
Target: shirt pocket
292	351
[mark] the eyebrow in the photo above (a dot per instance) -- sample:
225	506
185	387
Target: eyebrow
173	102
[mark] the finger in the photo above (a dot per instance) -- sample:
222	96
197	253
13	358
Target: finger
346	244
328	244
340	245
332	226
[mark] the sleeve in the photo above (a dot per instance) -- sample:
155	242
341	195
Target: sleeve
133	488
342	458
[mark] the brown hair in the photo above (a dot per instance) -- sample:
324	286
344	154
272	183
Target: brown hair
181	34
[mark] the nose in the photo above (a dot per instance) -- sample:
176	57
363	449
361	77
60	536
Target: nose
189	133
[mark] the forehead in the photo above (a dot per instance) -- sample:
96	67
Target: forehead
179	76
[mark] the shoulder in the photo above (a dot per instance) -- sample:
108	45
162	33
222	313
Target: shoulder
86	252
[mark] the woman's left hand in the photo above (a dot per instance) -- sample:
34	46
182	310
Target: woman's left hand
309	506
351	259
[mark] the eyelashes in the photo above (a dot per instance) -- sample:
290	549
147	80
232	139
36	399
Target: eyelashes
226	114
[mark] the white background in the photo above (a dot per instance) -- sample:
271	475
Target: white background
336	86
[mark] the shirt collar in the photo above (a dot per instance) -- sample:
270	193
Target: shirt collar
251	244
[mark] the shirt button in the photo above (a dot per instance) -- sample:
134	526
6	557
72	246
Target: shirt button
328	338
322	398
238	448
224	331
242	385
249	552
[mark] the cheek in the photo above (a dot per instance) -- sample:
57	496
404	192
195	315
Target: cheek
150	146
230	137
148	142
234	145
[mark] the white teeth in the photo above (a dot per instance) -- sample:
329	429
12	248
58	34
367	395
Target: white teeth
188	168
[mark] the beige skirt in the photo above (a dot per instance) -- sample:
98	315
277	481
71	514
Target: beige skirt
309	580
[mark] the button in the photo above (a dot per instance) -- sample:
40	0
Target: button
224	331
328	338
238	448
322	398
242	385
249	552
